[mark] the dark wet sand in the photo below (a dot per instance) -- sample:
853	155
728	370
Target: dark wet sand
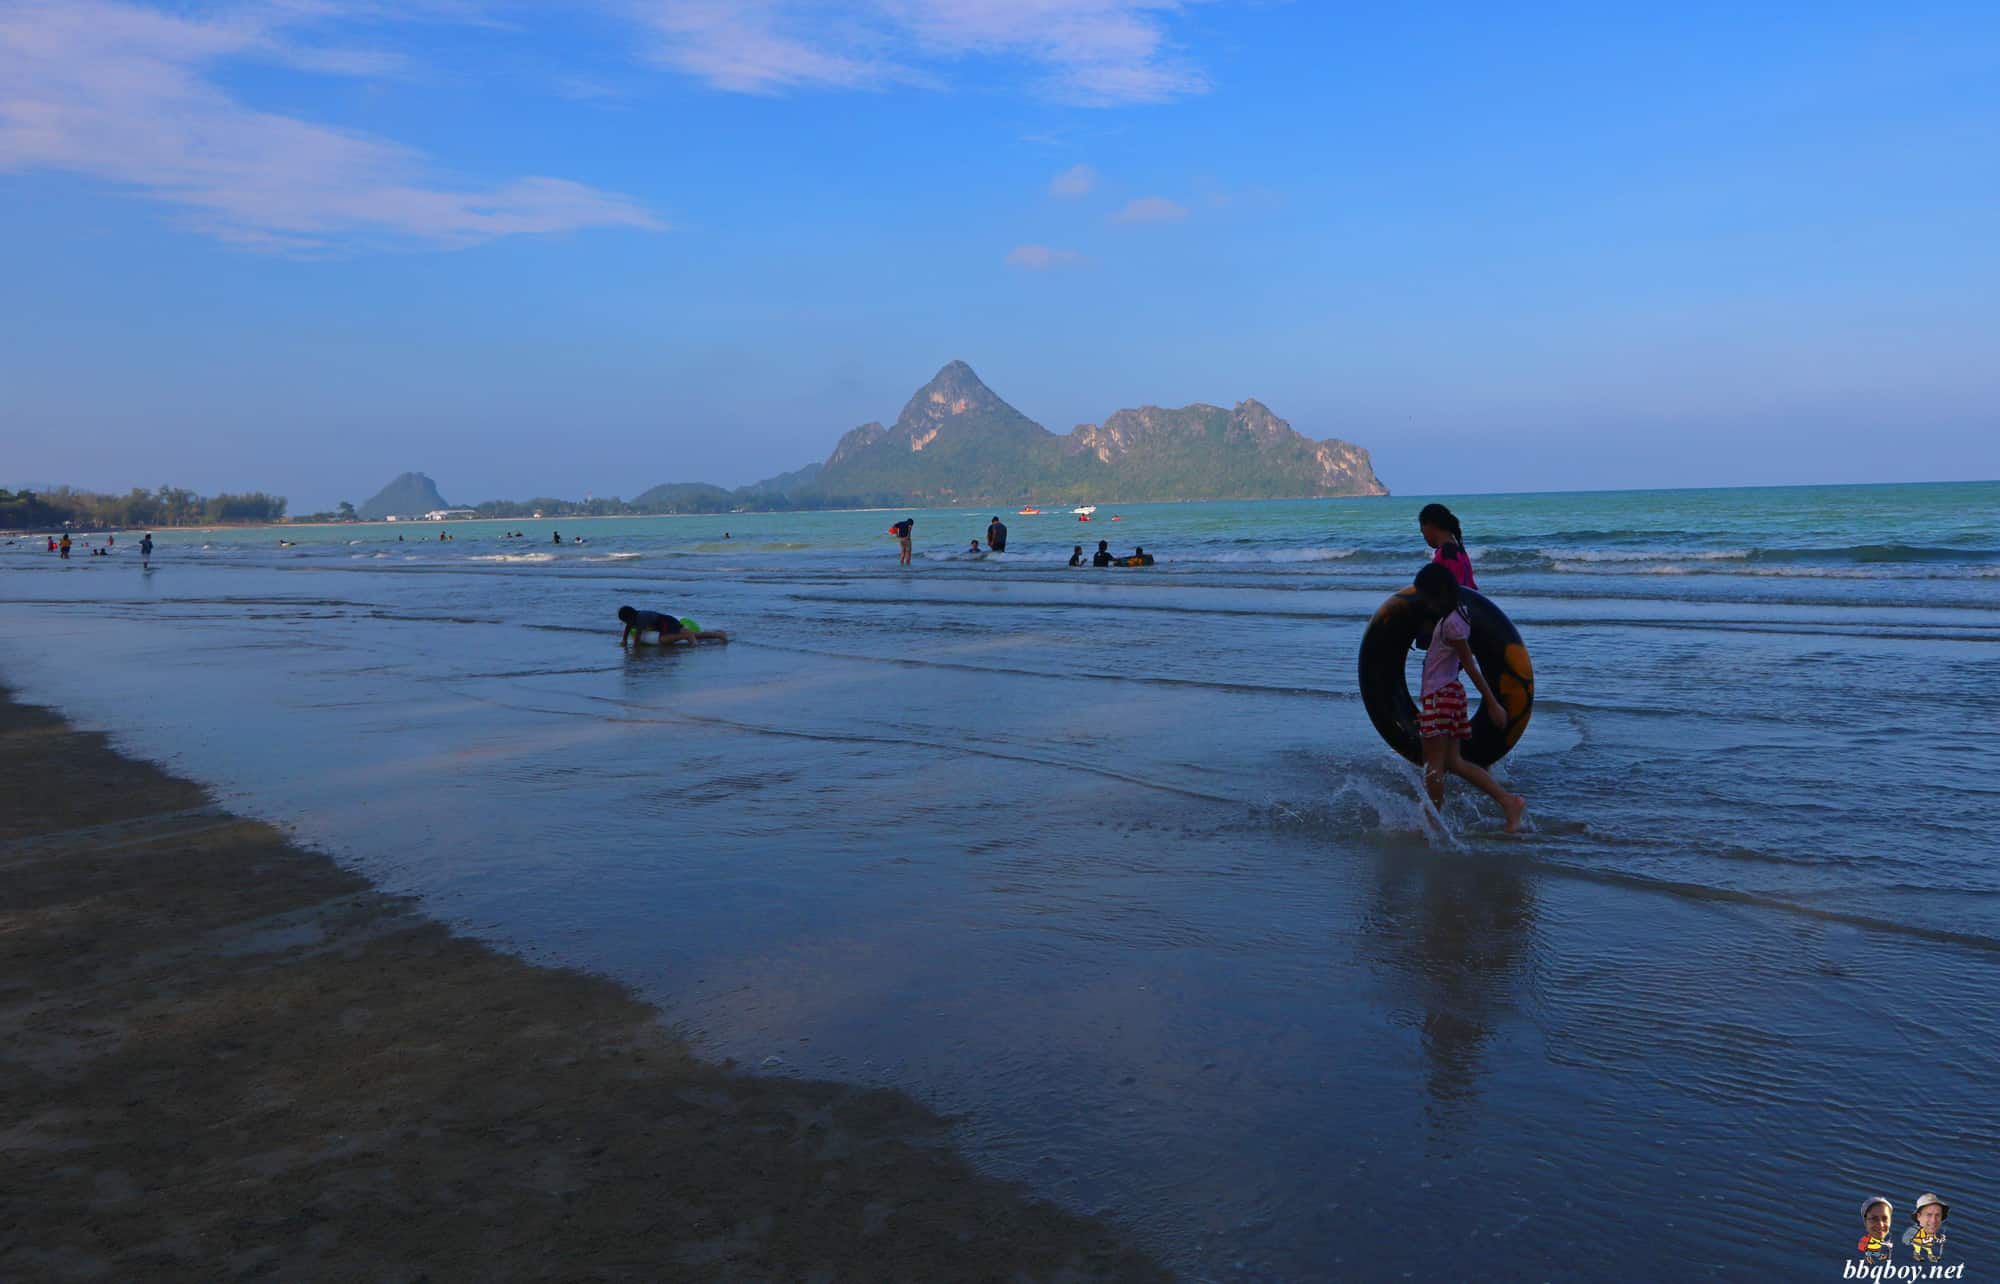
224	1057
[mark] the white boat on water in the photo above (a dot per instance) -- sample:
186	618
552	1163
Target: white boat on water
1085	511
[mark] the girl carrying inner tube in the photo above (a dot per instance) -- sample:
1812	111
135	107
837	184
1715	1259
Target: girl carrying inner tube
1441	717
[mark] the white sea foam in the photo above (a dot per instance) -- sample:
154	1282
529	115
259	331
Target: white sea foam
515	557
1645	555
1274	555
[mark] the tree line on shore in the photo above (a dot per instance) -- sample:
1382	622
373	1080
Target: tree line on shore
167	506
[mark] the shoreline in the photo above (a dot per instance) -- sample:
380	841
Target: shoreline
224	1056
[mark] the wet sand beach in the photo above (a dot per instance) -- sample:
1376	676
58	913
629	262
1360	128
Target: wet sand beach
224	1057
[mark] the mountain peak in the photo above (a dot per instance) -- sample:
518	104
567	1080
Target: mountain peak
955	399
955	381
409	495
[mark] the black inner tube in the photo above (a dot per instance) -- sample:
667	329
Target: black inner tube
1495	643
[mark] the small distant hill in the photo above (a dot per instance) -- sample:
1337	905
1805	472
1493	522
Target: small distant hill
685	497
411	495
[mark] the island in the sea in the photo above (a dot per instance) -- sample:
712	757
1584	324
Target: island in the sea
957	442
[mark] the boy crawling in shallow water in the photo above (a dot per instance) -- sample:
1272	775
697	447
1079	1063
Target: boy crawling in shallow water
671	629
1441	715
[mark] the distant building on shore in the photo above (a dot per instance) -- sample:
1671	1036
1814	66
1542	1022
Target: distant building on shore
449	514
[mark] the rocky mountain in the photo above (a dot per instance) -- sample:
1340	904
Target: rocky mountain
958	442
1245	453
411	495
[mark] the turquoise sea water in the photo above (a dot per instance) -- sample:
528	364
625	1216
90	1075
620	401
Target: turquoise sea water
1112	863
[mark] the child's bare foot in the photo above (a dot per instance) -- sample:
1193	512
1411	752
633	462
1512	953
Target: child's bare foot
1514	808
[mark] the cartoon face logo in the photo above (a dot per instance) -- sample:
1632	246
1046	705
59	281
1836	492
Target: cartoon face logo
1875	1247
1926	1238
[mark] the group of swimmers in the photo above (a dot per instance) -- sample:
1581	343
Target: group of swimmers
61	547
996	542
1105	557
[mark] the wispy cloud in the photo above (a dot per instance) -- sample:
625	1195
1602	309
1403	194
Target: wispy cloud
125	93
1150	209
1077	180
1040	258
1089	52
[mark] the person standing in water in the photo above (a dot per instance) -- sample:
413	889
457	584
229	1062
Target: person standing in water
63	547
146	551
1076	556
901	530
996	535
1103	555
1441	717
555	537
1440	530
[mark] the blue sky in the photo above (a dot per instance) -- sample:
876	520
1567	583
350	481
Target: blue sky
304	245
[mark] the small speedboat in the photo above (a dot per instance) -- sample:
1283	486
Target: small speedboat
1029	512
1085	511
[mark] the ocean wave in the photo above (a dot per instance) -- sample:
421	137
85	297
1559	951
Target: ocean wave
1283	555
512	557
1646	555
1877	553
1796	570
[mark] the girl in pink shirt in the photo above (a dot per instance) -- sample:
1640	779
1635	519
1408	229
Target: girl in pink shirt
1441	714
1441	532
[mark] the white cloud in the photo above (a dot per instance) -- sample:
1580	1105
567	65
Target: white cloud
1040	258
1075	181
1090	52
122	92
1150	209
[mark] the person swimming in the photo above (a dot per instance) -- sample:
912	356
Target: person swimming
1103	555
669	627
974	548
1076	556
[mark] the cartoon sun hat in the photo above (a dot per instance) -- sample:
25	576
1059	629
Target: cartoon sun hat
1925	1200
1867	1204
